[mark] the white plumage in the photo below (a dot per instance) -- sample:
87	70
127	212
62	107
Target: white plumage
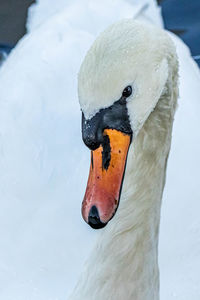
44	164
123	263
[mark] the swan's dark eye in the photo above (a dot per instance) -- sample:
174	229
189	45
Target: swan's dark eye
127	91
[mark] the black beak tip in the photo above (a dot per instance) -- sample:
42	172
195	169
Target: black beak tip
94	220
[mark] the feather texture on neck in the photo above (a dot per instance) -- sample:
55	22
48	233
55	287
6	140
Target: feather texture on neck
123	264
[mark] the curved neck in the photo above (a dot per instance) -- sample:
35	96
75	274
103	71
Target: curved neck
123	264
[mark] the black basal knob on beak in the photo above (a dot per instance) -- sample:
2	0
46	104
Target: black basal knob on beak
91	132
94	219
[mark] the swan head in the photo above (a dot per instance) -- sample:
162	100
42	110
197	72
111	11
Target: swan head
120	83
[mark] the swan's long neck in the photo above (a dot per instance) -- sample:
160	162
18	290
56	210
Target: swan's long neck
123	264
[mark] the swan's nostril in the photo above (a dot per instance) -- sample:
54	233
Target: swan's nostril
94	220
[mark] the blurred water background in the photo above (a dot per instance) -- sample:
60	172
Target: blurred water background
183	18
180	16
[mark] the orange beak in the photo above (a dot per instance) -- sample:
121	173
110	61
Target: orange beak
105	180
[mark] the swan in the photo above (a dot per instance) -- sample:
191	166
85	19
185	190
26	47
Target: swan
128	89
44	163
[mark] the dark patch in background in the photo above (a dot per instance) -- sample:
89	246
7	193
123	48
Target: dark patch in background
180	16
183	18
13	14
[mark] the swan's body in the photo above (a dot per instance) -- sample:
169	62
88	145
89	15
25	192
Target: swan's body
42	254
